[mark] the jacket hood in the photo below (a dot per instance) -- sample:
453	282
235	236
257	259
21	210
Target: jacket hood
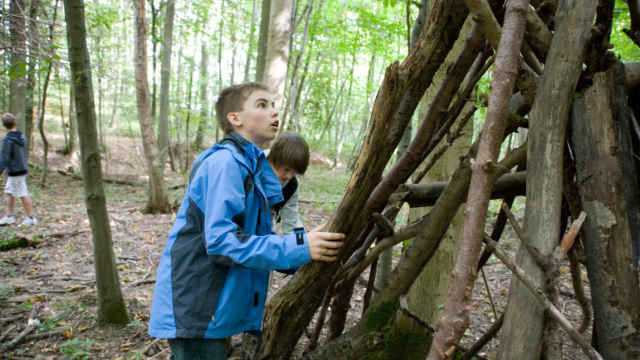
16	137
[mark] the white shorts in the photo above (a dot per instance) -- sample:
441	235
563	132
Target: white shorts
17	186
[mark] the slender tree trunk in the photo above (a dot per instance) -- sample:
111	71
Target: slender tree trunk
34	56
608	185
278	49
18	78
165	69
549	117
157	196
45	87
154	56
247	65
263	38
204	104
220	45
111	307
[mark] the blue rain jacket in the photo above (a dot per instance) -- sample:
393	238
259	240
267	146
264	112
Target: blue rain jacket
213	275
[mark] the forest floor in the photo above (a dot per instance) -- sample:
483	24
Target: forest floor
55	275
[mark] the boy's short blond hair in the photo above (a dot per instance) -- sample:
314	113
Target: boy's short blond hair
9	121
291	150
232	99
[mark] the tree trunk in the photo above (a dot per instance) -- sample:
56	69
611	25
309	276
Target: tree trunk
263	37
247	65
289	311
165	79
607	180
34	56
157	197
278	48
204	105
45	87
549	117
111	307
17	72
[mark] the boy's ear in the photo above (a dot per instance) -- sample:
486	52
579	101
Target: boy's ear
234	119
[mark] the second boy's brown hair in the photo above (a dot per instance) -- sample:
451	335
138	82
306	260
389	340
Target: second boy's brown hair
9	121
232	99
290	149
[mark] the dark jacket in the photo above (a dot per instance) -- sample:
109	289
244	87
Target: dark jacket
213	275
13	157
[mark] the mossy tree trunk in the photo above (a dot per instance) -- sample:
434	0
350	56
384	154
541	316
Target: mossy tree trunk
111	306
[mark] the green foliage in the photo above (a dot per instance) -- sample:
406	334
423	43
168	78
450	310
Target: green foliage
622	45
77	349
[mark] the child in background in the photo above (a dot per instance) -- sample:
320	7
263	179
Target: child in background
13	159
288	156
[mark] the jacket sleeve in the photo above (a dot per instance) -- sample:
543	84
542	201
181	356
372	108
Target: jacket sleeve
5	155
222	196
289	215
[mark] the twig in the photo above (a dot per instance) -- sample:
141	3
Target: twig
148	347
157	356
541	297
11	318
542	262
490	334
313	339
578	288
486	285
143	282
46	334
6	332
32	323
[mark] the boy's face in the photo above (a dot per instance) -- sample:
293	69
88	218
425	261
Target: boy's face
258	121
284	173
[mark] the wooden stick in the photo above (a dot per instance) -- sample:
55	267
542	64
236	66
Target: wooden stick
4	334
484	339
542	298
32	323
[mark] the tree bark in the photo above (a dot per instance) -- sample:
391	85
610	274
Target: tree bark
204	105
263	38
278	48
165	79
455	318
157	197
17	72
111	307
549	117
289	310
43	102
608	186
34	57
247	65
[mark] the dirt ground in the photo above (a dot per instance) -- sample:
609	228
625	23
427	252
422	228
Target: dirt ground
56	277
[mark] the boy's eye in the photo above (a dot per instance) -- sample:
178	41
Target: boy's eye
262	105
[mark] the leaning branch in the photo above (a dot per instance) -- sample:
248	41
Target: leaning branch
544	301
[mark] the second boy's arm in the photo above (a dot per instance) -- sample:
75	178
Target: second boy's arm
5	155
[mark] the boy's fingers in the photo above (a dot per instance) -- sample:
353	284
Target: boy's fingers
331	244
330	235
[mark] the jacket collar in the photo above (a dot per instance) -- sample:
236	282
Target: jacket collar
251	156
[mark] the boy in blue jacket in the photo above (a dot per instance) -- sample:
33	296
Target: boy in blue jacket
13	158
213	274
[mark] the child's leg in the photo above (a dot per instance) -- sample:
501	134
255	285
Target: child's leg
26	202
11	206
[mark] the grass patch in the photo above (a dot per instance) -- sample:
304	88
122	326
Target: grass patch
324	187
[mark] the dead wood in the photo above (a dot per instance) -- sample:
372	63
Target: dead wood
106	180
454	319
544	301
32	324
484	339
418	195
